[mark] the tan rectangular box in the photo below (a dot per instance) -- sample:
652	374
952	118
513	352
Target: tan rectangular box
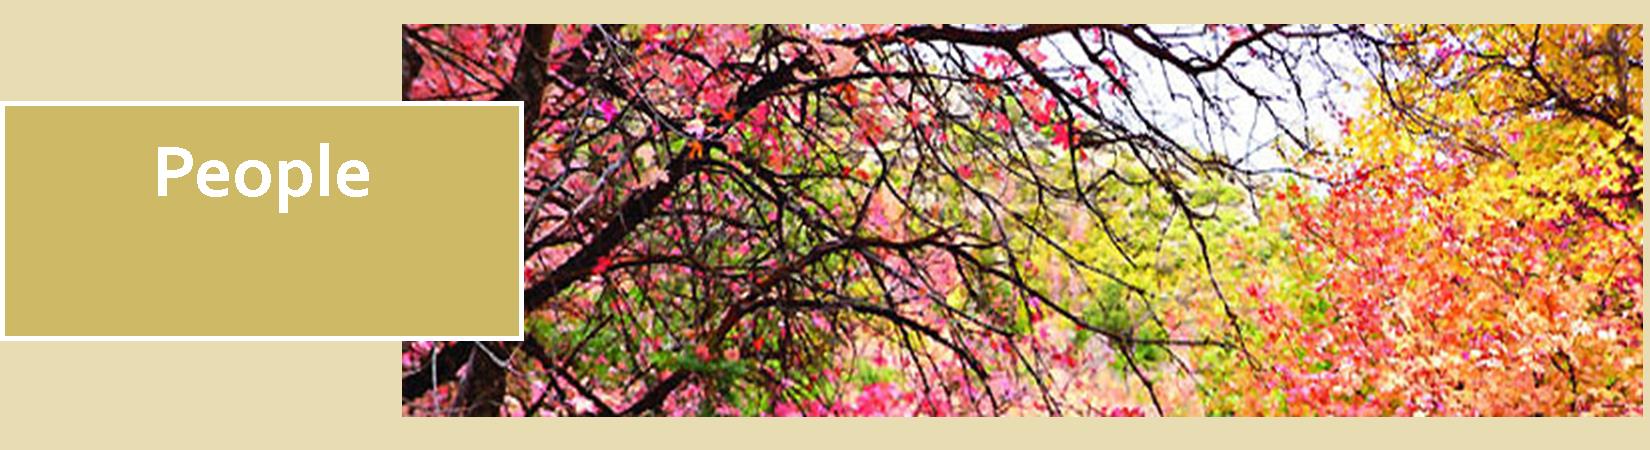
431	250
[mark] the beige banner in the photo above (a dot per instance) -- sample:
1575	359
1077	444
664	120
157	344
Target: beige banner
282	395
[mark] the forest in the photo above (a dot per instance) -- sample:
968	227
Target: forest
1084	220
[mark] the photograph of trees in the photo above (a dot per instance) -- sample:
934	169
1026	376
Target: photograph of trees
1087	220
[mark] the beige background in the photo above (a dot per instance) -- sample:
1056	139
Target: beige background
325	395
92	250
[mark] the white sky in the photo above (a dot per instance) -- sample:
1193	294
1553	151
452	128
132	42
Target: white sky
1248	131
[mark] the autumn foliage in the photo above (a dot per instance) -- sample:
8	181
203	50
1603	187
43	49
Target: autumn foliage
1059	219
1479	251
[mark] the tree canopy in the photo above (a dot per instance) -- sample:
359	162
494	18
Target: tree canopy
1058	219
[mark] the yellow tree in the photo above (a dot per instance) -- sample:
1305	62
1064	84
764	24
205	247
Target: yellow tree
1478	252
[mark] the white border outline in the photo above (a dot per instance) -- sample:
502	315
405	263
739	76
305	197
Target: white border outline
521	262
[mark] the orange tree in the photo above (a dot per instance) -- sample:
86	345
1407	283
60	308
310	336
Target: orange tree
1477	251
